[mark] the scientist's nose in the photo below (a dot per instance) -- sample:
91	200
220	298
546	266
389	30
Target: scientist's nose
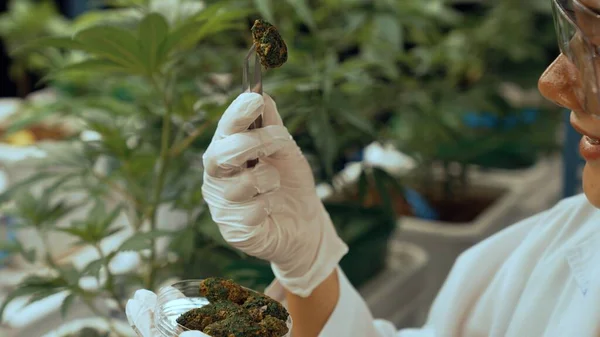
558	83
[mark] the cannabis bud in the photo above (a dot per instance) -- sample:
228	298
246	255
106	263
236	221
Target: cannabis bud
235	311
217	289
270	46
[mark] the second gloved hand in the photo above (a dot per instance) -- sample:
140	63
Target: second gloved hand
271	211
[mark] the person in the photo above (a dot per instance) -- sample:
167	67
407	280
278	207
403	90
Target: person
539	277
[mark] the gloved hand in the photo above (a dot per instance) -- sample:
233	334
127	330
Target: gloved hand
140	314
271	211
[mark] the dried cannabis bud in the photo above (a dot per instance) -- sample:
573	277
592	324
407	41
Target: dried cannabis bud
218	289
260	306
235	311
270	46
274	327
200	318
236	326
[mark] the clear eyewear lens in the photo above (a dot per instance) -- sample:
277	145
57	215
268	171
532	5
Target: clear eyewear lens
578	33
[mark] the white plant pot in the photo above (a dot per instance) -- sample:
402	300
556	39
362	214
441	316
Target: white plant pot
541	183
526	192
397	294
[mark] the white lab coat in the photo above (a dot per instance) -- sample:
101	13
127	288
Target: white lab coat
539	277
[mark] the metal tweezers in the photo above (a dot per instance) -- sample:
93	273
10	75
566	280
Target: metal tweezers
252	83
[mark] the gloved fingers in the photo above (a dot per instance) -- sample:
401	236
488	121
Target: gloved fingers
145	297
132	310
228	156
139	317
266	241
240	114
194	334
170	293
263	178
235	219
270	114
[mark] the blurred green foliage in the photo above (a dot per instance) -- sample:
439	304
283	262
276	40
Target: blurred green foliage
23	21
151	79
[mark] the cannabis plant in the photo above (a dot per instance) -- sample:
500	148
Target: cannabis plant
23	21
457	114
147	103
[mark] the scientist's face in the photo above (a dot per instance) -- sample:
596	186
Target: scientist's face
573	81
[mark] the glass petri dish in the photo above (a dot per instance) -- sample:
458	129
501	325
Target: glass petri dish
178	298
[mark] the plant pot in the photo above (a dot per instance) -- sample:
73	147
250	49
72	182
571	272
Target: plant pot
397	294
444	241
519	194
541	183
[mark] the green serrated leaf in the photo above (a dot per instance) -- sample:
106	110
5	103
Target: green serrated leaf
93	268
303	11
79	232
184	244
356	120
53	213
115	44
29	255
264	7
10	246
113	231
152	32
48	42
387	28
69	274
9	194
35	286
207	13
193	32
97	212
323	134
66	305
85	67
41	294
142	241
109	219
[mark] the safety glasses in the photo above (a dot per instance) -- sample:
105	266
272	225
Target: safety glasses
578	32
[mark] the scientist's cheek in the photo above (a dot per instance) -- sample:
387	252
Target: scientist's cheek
591	182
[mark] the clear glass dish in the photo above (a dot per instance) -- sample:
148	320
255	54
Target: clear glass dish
177	299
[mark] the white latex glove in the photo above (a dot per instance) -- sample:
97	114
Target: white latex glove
271	211
140	314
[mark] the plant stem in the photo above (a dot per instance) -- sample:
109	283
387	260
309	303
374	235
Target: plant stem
118	189
46	247
184	144
90	305
110	280
162	174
